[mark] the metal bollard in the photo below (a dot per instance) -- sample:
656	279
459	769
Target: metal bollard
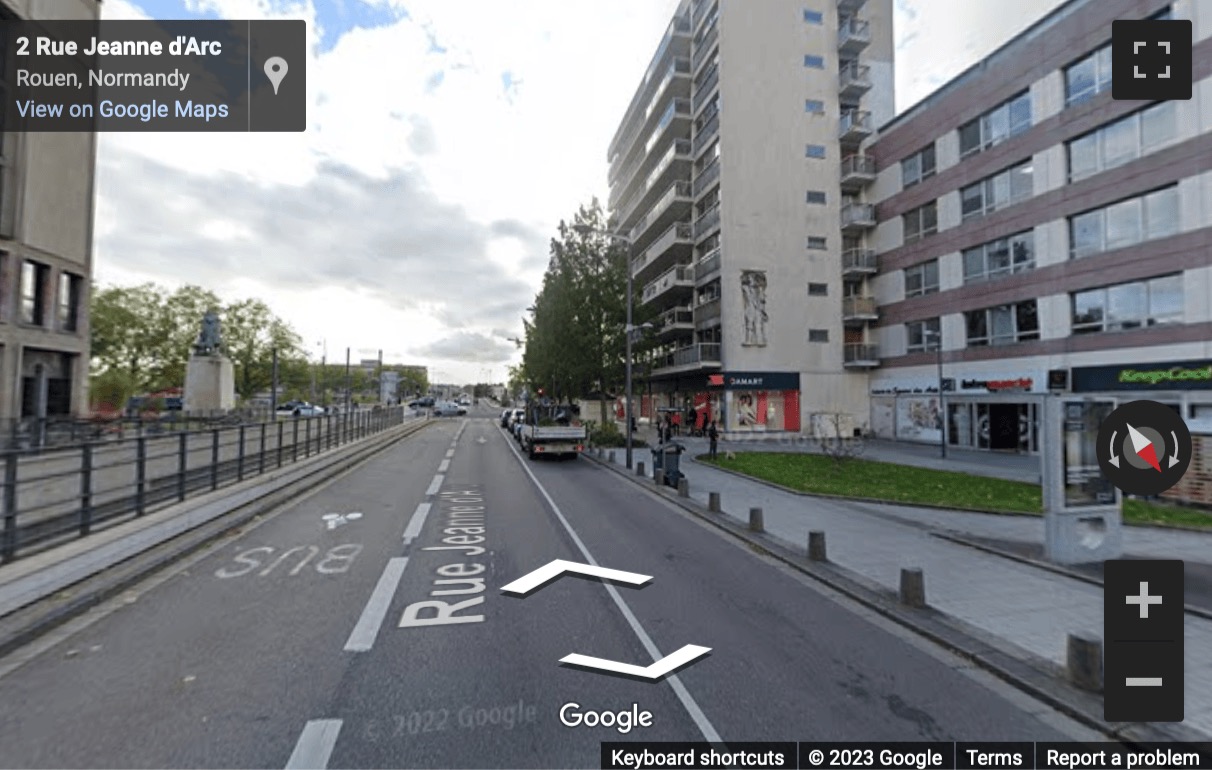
683	487
1084	662
713	502
913	588
757	522
639	468
610	456
658	476
816	546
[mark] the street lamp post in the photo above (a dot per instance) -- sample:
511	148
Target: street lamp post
942	403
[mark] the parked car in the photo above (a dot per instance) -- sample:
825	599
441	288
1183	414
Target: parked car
505	415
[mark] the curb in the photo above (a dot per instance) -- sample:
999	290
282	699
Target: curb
27	623
936	506
1020	668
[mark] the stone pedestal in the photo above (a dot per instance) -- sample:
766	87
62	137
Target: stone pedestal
210	384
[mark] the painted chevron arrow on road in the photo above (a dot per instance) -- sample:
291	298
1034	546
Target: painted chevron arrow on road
660	668
555	569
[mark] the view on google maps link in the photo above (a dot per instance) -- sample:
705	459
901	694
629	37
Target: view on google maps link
461	384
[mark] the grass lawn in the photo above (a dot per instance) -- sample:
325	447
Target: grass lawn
912	485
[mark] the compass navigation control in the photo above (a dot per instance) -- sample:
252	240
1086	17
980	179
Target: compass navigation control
1144	448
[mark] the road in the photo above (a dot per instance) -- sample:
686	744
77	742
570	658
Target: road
266	646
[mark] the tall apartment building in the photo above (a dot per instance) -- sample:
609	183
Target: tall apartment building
1056	239
739	177
46	237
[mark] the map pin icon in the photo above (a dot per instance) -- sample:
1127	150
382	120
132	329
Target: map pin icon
275	70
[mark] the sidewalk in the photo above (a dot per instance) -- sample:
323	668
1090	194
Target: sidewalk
1029	606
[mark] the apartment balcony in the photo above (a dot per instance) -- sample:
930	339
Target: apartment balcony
708	223
853	81
857	218
849	7
671	247
707	268
672	207
707	313
673	166
674	123
678	321
704	46
853	36
670	121
859	310
705	87
705	179
676	282
857	263
861	356
704	136
854	127
858	171
697	356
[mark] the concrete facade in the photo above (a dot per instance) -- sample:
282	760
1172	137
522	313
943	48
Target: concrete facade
46	235
1035	291
727	179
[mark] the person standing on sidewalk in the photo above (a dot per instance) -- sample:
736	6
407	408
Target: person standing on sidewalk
714	436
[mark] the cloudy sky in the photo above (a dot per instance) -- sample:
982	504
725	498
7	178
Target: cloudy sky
446	140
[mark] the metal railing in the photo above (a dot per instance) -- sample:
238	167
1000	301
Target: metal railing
705	223
861	214
678	315
854	353
853	30
680	274
679	189
706	87
858	121
703	352
52	497
679	231
705	44
858	164
705	134
860	260
705	177
708	265
855	307
854	75
708	310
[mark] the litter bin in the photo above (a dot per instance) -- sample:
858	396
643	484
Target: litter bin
658	454
672	461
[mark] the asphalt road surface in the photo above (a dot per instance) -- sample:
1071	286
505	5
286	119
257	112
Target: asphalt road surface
308	641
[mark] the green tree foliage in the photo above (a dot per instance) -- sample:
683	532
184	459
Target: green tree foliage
142	337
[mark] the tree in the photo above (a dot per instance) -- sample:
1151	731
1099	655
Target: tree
835	435
250	334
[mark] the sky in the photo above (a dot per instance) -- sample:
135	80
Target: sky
447	139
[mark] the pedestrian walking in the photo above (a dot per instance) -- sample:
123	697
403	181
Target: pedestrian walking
714	436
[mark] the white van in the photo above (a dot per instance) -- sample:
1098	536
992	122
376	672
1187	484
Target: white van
448	409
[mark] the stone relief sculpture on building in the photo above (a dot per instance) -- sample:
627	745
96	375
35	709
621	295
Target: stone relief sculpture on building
753	292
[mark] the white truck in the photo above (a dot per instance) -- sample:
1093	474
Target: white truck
552	431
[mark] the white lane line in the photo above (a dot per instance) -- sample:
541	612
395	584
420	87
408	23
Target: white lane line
679	689
435	485
444	466
413	530
450	452
364	633
315	745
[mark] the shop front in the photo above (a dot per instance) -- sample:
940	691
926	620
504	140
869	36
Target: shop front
1184	386
752	402
996	413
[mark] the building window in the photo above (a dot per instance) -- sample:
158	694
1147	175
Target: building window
920	222
917	167
1003	325
1128	222
997	192
816	62
921	279
33	291
818	335
921	336
1122	141
1129	305
817	243
1088	77
1004	256
1008	119
815	151
816	196
815	106
814	17
69	301
818	290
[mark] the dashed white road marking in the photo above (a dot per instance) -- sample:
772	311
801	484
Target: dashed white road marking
364	633
450	453
444	466
679	689
435	485
413	530
315	745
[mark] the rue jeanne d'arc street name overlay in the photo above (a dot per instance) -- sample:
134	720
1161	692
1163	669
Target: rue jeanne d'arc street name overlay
154	75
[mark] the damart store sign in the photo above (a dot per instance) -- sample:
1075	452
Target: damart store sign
754	381
1172	375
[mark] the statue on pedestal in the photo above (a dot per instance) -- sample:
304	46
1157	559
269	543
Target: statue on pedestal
210	340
